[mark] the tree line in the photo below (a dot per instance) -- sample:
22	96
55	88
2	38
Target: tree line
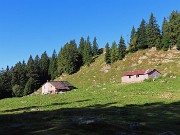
148	35
25	78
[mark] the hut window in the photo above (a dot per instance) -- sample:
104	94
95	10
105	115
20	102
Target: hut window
129	76
137	76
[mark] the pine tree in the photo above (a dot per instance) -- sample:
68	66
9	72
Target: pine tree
44	67
114	52
62	59
32	69
73	64
95	47
37	73
133	45
68	58
165	35
107	54
174	27
153	32
81	50
19	78
165	42
53	66
178	43
29	87
6	83
87	55
17	90
121	49
133	33
141	36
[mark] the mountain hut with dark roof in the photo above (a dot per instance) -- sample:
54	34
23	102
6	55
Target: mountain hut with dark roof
55	87
139	75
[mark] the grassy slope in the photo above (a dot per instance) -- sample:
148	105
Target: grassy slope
154	105
166	62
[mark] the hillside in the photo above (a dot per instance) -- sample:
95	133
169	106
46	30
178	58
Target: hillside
167	62
102	105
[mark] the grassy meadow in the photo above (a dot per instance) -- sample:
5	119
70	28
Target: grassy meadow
102	105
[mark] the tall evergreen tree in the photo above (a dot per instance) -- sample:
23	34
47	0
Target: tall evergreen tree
165	42
29	87
153	32
53	66
133	45
95	47
81	50
68	58
133	33
121	49
6	83
174	26
114	52
32	69
37	73
19	78
44	67
87	57
141	36
73	64
107	54
165	35
178	43
62	59
17	90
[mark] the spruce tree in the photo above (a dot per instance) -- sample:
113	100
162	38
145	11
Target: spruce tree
121	49
81	50
32	71
95	47
107	54
29	87
19	76
133	45
53	66
114	52
165	42
37	73
141	36
87	57
133	33
62	59
73	64
17	90
174	26
165	35
178	43
44	67
153	32
6	83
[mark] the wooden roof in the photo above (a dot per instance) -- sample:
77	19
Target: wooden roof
60	84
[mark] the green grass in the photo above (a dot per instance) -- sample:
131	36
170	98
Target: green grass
154	105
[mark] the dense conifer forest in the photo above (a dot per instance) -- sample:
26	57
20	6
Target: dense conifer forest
26	77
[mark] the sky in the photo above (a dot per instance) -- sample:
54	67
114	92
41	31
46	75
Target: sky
30	27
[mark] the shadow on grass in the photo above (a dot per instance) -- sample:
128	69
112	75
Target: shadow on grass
105	119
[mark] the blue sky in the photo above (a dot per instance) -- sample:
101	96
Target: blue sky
30	27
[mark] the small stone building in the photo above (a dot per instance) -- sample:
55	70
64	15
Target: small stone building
139	75
55	87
